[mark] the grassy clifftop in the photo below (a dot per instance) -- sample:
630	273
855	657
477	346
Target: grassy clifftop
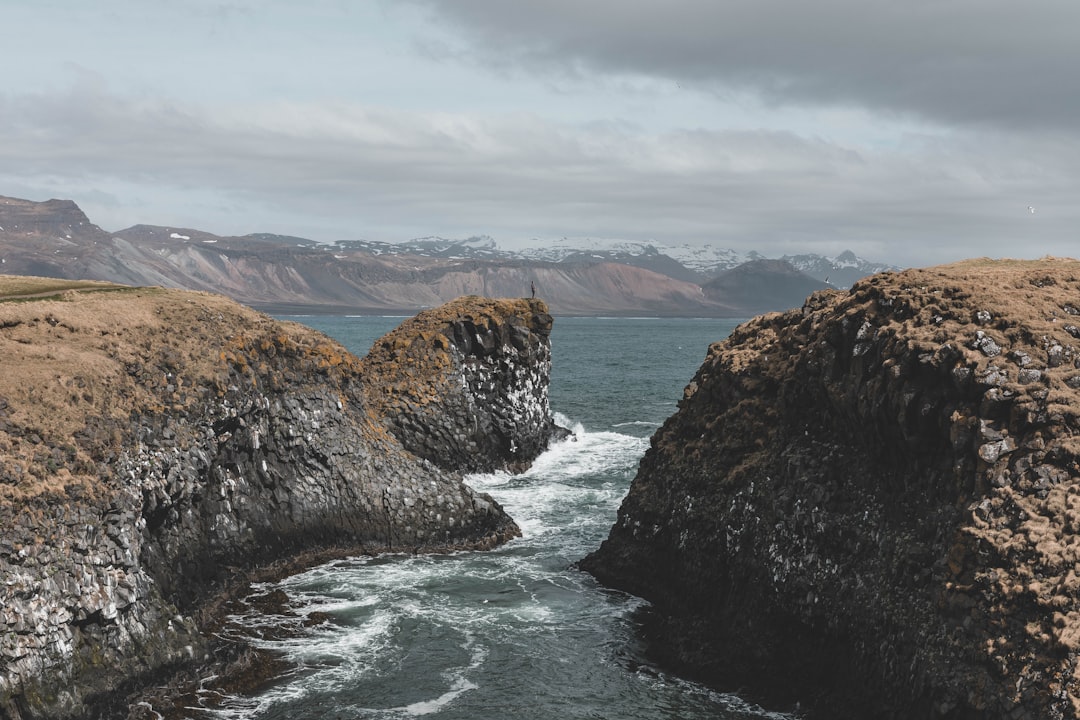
158	448
870	504
81	359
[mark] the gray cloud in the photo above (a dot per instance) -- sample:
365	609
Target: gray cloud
366	172
995	63
909	132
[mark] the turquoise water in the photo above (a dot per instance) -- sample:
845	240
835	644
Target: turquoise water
516	632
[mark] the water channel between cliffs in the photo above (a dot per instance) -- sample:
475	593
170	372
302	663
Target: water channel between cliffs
515	632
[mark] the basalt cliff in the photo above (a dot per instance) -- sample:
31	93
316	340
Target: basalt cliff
157	447
871	505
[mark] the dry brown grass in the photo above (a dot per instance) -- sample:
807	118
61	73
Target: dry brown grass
72	355
1031	309
19	287
410	361
1010	560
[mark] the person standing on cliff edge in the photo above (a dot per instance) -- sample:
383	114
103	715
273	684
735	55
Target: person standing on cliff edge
532	286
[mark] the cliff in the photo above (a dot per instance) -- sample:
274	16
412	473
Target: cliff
159	445
871	505
491	412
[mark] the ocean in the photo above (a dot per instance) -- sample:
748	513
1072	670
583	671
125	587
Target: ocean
516	632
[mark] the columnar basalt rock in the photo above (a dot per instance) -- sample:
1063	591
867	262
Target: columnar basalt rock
466	384
872	505
158	445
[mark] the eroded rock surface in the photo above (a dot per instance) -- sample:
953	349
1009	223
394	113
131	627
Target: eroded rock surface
158	445
871	505
466	385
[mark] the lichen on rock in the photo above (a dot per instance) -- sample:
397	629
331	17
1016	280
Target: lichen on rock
159	447
871	505
466	385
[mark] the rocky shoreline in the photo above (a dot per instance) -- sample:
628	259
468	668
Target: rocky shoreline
161	447
871	505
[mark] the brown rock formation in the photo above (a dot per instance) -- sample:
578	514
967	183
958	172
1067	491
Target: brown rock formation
157	445
872	505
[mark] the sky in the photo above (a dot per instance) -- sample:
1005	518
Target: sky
912	133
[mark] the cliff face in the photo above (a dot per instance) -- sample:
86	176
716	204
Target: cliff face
871	505
157	444
491	412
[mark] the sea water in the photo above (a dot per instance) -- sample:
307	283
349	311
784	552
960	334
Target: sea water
516	632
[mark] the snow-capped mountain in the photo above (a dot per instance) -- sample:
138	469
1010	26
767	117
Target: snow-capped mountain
710	260
479	247
291	274
564	248
685	262
840	271
707	260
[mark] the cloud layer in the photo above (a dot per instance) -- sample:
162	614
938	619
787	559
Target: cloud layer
909	133
981	62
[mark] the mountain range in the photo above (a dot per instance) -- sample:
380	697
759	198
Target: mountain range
284	274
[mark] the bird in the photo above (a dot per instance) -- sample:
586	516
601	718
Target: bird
1031	210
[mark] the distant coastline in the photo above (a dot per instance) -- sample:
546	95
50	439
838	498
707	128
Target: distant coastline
288	275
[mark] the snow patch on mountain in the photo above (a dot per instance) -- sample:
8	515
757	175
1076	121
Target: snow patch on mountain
705	260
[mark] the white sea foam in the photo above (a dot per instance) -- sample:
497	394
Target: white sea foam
427	707
449	636
586	470
517	631
459	684
587	454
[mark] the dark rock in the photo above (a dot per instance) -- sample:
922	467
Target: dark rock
841	515
482	402
985	344
1028	376
279	458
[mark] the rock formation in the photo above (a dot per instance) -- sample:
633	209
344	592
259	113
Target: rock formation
491	412
872	505
158	445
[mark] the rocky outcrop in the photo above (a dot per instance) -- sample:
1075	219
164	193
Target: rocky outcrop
466	385
160	445
872	505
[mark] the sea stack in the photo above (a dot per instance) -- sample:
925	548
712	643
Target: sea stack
157	446
465	385
871	505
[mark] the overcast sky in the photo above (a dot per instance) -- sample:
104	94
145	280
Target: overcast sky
910	132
